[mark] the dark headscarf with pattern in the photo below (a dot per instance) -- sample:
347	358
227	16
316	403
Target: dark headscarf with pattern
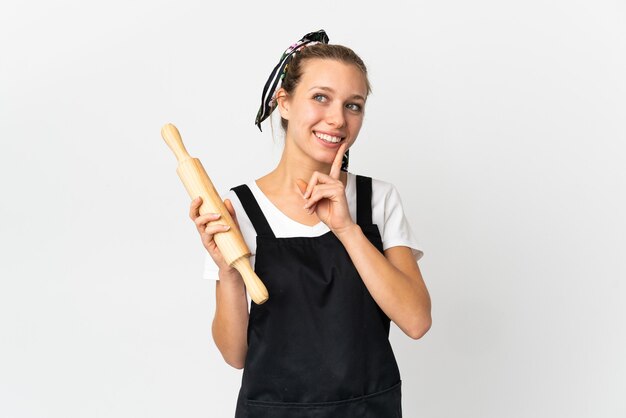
274	82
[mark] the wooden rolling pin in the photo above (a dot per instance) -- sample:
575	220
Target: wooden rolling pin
231	243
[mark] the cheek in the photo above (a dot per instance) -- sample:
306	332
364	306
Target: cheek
312	114
356	121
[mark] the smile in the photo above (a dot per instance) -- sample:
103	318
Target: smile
328	138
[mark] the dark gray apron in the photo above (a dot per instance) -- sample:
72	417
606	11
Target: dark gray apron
319	347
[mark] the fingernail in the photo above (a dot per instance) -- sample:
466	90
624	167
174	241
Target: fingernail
225	227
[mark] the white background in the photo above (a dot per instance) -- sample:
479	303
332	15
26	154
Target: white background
502	124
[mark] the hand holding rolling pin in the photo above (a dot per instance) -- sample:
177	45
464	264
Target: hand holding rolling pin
208	225
231	248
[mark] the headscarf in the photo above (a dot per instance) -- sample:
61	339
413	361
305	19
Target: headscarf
274	82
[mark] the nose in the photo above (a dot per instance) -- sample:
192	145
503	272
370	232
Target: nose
335	116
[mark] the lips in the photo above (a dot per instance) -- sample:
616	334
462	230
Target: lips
331	139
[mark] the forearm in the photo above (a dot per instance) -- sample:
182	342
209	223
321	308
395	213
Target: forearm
401	295
231	318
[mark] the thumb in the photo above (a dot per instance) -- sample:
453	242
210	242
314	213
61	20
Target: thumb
231	210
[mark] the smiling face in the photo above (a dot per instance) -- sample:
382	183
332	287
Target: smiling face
325	110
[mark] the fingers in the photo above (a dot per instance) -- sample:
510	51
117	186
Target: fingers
335	169
215	229
301	185
208	229
324	191
207	237
211	224
318	182
204	223
318	178
194	208
229	206
310	185
231	210
202	220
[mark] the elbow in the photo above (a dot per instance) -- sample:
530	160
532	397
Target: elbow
420	328
237	364
233	359
233	350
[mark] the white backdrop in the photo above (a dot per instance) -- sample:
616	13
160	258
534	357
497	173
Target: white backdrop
501	124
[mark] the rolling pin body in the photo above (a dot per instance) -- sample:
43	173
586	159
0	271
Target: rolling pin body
231	243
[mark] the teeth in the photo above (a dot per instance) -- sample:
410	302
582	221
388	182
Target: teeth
328	138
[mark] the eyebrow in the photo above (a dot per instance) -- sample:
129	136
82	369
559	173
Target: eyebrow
354	96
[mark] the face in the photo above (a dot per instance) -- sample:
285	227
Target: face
325	110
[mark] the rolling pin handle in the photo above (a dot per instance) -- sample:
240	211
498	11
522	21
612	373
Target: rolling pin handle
256	288
173	140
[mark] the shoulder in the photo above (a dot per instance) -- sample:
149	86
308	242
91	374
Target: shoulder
378	185
389	215
382	187
383	192
245	225
232	195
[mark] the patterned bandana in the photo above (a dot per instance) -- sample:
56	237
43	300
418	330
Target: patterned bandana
275	80
278	73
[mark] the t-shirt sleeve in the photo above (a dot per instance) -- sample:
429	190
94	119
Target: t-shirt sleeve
210	268
396	230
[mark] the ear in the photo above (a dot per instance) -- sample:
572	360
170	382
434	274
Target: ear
282	102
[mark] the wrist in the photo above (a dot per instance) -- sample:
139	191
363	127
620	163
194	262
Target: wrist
229	275
349	232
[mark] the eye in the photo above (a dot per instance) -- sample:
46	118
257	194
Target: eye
320	98
354	107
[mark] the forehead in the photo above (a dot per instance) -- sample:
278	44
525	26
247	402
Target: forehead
339	76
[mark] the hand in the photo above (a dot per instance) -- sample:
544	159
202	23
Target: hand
208	226
326	196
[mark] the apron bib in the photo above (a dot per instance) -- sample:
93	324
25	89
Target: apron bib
319	347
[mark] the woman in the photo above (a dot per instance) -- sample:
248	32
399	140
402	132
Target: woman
333	249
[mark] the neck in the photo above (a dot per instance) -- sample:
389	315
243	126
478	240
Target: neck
293	166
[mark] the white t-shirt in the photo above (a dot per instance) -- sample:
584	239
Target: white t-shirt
387	214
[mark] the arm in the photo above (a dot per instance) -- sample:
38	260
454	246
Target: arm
393	279
230	323
231	318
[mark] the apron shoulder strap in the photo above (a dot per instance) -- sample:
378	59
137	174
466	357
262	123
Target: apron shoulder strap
363	200
253	210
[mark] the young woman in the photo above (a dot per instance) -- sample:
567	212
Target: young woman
334	250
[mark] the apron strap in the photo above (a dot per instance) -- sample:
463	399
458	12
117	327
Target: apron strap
253	210
363	200
262	227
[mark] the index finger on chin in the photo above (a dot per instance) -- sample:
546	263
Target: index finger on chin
335	169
